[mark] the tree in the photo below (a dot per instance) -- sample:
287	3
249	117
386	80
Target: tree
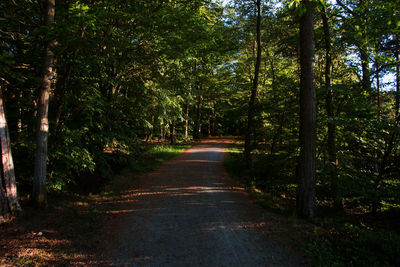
331	142
253	94
306	170
42	128
9	204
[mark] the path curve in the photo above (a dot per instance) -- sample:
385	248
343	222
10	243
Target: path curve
189	213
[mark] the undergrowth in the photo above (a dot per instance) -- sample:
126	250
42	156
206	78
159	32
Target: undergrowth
153	156
156	154
339	238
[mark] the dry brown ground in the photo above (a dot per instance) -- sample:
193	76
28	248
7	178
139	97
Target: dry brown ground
63	234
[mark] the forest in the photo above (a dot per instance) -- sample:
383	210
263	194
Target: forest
309	89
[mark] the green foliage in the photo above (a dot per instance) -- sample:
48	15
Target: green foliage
125	71
234	162
271	178
355	246
156	154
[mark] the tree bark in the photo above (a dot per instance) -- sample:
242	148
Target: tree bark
9	204
172	133
251	110
306	189
378	91
161	131
149	136
42	128
19	122
333	161
277	133
214	119
366	83
209	126
397	81
187	118
197	128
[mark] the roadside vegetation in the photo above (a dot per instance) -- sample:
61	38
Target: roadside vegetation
350	237
67	232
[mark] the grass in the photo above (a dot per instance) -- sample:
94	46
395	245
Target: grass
335	238
154	155
163	152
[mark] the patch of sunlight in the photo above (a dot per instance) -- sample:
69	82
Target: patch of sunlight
200	161
119	211
389	205
82	204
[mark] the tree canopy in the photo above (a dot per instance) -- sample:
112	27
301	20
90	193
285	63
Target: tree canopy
120	74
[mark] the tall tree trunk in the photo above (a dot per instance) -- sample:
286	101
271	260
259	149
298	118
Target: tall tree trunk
9	204
251	110
333	161
306	172
39	180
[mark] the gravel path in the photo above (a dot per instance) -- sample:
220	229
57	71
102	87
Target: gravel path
189	213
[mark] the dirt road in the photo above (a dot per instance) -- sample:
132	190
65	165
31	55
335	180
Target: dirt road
189	213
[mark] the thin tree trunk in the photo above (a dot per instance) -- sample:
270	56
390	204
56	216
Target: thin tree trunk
172	132
9	199
397	82
187	118
61	92
42	128
378	84
209	126
378	91
363	49
150	134
251	110
19	122
161	131
278	133
332	156
148	137
197	130
366	83
306	189
214	120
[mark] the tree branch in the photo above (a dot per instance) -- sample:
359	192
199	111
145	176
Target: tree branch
340	3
